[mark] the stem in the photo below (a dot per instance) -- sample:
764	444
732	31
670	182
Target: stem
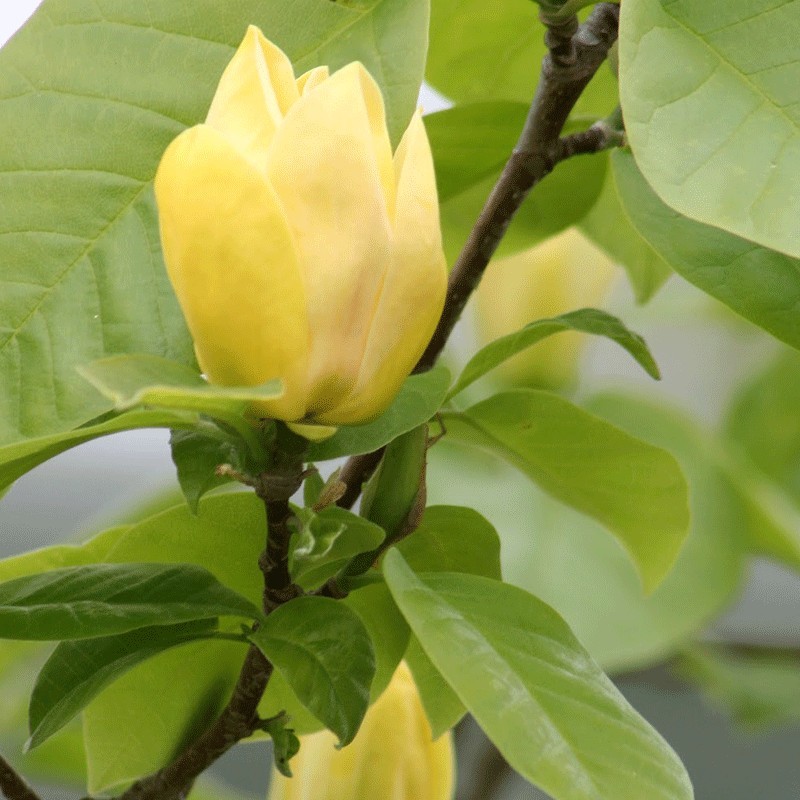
575	53
12	785
276	487
566	70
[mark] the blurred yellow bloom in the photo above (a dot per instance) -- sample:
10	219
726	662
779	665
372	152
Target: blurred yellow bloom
562	274
391	758
299	247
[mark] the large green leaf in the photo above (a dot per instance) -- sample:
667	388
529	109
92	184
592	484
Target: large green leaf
476	56
104	599
550	710
449	539
635	489
453	539
608	225
325	654
760	284
711	97
81	269
77	672
418	400
174	695
587	320
20	457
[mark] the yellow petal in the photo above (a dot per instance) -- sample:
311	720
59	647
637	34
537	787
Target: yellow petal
231	260
413	294
391	758
324	168
256	90
311	79
314	433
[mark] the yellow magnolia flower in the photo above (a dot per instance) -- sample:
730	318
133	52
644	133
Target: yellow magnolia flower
391	758
562	274
299	247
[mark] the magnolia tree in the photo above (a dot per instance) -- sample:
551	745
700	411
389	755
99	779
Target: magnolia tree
230	221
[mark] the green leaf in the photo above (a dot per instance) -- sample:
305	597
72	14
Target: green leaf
636	490
442	707
325	654
285	744
77	672
587	320
475	56
387	629
175	695
764	422
327	542
608	225
418	400
469	159
196	455
712	111
761	285
312	487
550	710
453	539
139	380
758	688
20	457
104	599
81	270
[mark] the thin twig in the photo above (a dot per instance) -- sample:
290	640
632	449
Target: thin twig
575	53
12	785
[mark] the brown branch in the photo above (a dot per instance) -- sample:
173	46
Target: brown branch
238	721
12	785
566	70
575	53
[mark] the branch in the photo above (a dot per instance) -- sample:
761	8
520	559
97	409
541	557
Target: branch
238	721
575	53
12	785
566	70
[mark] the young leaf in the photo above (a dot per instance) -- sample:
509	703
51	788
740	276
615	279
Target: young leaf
77	672
197	454
138	380
324	652
636	490
312	487
760	284
327	542
587	320
453	539
418	400
550	710
104	599
732	94
285	744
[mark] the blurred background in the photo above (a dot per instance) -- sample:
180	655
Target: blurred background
732	714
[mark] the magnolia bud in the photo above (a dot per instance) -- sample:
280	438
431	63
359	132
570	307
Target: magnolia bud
391	758
562	274
298	246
